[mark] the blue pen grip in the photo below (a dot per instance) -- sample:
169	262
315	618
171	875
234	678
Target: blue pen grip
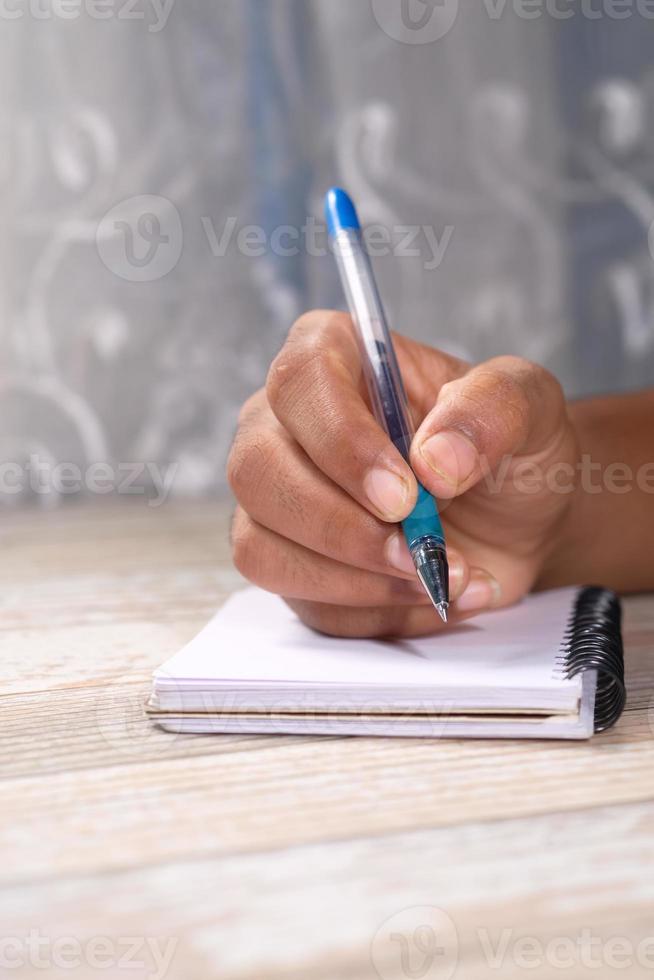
423	520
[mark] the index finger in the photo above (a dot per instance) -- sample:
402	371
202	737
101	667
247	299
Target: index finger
314	389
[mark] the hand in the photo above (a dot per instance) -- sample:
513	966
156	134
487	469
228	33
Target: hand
320	487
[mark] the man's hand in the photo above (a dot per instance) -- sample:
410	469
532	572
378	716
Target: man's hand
321	488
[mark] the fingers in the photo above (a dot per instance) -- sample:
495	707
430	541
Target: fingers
279	565
399	621
424	371
314	389
319	481
505	407
280	488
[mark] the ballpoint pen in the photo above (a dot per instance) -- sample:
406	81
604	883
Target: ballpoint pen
422	528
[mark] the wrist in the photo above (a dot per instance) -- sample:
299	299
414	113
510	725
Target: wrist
560	559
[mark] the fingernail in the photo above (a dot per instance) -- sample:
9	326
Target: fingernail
397	554
456	571
482	592
450	455
387	492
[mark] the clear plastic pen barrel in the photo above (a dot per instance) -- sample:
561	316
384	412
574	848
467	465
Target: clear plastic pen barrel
422	528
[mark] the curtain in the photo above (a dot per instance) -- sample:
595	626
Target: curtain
163	170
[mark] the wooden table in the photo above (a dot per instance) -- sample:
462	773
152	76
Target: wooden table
270	857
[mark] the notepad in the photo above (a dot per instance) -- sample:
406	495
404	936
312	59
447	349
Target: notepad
544	668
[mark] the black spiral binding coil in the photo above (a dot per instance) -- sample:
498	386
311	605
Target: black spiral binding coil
593	641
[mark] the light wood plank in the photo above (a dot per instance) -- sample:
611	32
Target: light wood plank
314	912
303	791
280	856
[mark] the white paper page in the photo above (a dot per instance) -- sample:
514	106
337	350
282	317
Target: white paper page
578	725
256	641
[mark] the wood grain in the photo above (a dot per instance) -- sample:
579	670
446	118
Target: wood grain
297	849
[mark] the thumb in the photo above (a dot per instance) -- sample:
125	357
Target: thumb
505	406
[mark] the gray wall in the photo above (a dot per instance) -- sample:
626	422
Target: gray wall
136	313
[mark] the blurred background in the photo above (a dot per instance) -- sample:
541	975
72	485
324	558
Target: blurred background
163	166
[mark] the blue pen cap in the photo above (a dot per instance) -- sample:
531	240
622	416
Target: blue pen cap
340	212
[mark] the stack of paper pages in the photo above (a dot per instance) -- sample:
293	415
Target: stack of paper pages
256	668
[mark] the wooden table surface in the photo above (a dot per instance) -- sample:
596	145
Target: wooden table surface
269	857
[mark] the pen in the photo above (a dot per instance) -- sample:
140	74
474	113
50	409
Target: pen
423	529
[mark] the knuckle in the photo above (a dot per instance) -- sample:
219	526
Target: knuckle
544	381
309	351
271	563
333	533
515	397
511	364
236	467
504	386
528	389
244	545
488	406
248	463
302	343
282	376
250	409
523	373
319	324
505	403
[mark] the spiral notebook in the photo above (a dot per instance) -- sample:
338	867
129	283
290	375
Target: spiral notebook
549	667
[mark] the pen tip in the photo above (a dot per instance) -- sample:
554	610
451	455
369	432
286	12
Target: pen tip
442	610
